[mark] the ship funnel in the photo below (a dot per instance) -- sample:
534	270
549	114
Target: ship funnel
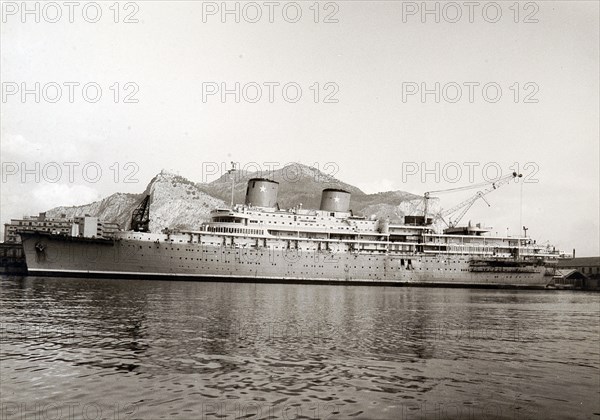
335	200
262	192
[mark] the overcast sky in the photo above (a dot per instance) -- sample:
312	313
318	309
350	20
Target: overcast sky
361	68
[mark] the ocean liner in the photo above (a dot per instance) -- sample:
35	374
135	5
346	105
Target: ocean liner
259	242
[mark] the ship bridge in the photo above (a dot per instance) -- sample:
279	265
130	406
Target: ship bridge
228	216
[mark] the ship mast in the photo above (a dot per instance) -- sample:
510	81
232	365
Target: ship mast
231	172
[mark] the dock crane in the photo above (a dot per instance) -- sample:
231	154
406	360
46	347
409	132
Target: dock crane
465	205
140	218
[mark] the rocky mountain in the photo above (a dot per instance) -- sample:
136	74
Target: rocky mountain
179	203
175	203
114	208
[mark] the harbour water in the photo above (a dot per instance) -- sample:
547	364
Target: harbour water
124	349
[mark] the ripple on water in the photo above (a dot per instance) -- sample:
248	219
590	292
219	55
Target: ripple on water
183	350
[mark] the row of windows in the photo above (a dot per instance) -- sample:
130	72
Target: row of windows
38	228
304	219
234	230
321	266
308	224
39	224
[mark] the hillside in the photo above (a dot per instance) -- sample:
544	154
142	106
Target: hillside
176	203
114	208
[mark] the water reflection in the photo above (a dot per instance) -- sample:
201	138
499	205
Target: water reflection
183	349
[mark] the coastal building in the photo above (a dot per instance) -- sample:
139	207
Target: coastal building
85	226
40	223
569	278
588	267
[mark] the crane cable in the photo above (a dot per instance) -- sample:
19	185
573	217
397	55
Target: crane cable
467	187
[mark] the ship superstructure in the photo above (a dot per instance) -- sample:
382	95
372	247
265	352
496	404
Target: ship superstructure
258	241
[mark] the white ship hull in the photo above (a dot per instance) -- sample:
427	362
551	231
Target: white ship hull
54	255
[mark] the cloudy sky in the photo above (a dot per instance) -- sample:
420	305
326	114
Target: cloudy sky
382	94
